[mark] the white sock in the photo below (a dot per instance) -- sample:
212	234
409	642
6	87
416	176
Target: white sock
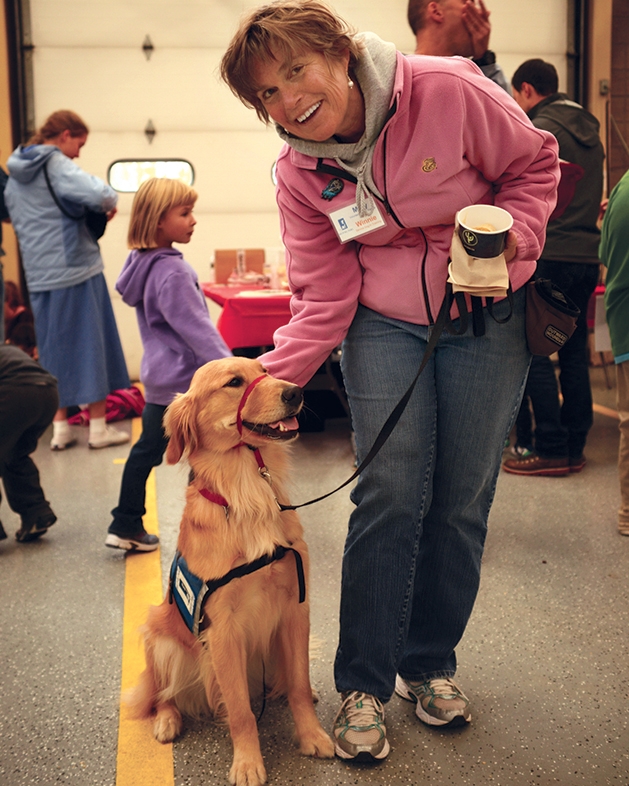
60	430
97	427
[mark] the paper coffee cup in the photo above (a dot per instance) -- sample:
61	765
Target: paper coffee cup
483	230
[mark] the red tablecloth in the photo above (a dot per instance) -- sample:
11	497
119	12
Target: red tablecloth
248	321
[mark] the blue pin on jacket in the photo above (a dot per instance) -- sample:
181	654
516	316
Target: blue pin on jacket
333	188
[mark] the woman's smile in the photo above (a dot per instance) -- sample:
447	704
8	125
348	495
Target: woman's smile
308	113
310	97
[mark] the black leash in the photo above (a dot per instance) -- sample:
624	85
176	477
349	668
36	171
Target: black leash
443	321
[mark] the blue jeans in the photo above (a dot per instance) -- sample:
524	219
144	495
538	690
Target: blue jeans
411	565
147	453
561	430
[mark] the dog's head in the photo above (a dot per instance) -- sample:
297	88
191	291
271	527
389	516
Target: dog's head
230	401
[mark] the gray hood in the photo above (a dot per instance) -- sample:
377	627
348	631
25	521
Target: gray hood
375	74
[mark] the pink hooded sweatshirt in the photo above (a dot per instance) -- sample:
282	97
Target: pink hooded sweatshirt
452	138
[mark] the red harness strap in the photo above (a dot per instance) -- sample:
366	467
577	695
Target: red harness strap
212	497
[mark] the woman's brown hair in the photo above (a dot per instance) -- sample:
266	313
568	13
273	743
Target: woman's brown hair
57	123
280	30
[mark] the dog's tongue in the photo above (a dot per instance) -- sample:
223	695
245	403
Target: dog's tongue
290	424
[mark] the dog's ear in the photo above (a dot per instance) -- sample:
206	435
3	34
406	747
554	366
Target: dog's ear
179	425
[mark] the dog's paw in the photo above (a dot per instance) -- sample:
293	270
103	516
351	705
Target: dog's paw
247	773
317	744
167	724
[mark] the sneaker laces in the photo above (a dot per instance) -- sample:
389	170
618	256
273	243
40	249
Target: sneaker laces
444	686
363	710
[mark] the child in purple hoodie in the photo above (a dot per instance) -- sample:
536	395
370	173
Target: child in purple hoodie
177	335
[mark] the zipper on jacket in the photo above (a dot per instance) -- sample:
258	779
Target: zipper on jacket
341	173
424	283
392	214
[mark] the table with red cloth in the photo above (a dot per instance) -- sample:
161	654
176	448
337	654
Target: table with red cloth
250	314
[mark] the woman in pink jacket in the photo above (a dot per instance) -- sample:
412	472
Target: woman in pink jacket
381	152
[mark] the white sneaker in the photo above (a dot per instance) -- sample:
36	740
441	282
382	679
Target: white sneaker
110	436
61	443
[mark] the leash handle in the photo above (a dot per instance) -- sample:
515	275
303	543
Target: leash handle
391	421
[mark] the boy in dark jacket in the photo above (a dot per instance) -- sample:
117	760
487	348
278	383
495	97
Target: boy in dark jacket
570	260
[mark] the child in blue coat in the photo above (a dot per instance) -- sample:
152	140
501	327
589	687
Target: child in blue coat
177	335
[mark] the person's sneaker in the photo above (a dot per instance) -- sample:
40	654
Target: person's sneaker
440	701
62	443
36	529
623	527
140	542
110	436
359	731
536	465
577	463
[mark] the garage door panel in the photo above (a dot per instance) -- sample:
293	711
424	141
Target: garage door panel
121	90
232	170
193	23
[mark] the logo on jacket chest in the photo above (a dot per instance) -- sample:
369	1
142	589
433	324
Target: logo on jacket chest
429	165
333	188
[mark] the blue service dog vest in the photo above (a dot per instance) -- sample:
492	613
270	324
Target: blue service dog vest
189	592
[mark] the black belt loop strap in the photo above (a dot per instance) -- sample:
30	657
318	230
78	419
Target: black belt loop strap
490	307
478	320
461	305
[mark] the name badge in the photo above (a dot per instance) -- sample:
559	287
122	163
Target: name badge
350	225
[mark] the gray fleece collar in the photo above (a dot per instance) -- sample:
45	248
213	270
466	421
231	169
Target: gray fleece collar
375	73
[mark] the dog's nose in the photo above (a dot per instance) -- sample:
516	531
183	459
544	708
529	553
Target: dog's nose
293	396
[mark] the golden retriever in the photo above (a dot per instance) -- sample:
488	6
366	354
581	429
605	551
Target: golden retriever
255	630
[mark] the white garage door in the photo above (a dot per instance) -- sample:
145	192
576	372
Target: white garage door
89	58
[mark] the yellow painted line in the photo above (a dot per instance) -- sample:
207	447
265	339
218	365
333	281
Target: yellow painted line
611	413
141	761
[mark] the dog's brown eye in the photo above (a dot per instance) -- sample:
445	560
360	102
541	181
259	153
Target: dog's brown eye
235	382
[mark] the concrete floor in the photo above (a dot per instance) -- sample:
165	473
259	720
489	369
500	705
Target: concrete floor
545	659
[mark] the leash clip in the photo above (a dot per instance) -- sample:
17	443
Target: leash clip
264	473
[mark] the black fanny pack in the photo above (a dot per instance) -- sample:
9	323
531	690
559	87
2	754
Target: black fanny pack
551	317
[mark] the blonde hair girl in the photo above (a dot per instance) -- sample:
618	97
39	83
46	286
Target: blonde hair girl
153	200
